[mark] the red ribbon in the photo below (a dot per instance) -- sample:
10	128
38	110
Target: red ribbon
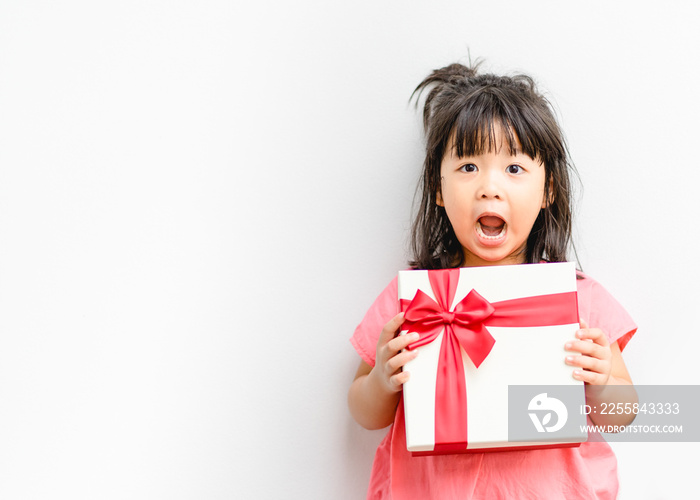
465	327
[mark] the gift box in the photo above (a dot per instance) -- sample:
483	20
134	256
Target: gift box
482	331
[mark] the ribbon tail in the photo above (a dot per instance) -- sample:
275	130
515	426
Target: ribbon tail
480	346
450	397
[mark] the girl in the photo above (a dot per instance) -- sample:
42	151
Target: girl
496	191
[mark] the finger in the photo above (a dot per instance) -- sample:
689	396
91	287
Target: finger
399	361
395	345
391	329
587	363
589	349
399	379
589	377
595	334
402	341
583	323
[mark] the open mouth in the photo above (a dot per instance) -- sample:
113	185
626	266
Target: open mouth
491	227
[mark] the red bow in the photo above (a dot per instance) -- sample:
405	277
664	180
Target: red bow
465	322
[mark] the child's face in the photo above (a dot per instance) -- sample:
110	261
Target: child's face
492	201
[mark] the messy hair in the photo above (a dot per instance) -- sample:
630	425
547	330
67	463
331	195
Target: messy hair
468	109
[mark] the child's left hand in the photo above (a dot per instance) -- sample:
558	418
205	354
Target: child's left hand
595	362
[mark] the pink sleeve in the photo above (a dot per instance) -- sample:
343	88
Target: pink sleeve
385	307
600	310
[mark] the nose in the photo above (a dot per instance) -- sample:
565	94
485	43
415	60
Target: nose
490	186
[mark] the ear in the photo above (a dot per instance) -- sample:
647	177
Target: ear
438	196
548	196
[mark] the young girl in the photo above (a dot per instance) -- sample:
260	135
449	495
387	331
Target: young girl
496	191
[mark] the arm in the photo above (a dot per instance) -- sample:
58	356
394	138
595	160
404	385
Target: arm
603	370
375	392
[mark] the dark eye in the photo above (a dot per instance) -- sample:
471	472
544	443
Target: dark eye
514	169
469	167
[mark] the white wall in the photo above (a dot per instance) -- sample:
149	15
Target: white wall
199	200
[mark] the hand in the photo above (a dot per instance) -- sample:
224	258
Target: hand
595	362
391	356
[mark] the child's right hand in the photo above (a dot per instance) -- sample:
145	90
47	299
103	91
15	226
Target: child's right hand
392	355
376	390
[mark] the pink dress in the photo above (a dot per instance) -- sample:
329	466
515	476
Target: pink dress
586	472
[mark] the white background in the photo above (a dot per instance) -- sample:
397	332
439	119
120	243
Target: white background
199	201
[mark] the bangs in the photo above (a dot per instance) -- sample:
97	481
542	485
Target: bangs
480	119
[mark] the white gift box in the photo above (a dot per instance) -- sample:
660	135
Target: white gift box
519	356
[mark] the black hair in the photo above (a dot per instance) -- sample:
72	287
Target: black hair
468	108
